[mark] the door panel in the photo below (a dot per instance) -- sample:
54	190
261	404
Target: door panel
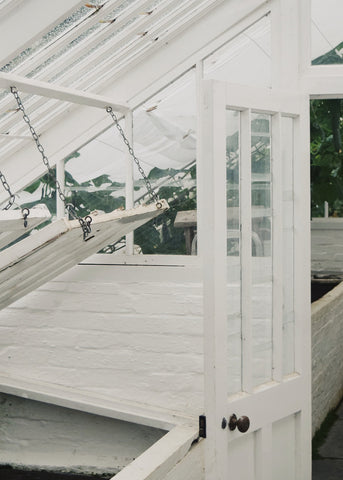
253	360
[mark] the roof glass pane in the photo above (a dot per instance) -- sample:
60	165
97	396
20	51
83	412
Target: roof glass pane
50	37
96	48
327	35
246	59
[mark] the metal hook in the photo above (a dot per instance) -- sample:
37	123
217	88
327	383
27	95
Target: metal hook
26	213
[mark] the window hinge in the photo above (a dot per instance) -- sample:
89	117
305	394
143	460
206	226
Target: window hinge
202	426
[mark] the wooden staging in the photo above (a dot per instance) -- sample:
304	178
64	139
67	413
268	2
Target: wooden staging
60	245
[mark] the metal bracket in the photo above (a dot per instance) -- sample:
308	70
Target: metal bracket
202	426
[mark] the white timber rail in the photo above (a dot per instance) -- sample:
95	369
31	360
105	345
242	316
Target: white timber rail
46	89
128	411
323	81
170	458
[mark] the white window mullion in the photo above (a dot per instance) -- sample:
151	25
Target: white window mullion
277	246
246	260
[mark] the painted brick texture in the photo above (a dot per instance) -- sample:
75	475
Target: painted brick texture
327	354
122	336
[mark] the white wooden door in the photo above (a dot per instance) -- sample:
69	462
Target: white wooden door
255	245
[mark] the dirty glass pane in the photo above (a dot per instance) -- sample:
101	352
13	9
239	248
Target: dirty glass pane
327	35
288	245
246	59
234	356
261	247
165	143
51	36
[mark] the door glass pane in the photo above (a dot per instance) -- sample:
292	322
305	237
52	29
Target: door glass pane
288	245
261	247
233	250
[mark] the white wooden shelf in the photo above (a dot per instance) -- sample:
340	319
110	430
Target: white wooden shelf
128	411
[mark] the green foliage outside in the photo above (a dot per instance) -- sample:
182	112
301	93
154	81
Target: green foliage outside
326	148
157	236
326	157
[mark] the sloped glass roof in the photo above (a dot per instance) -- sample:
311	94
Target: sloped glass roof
87	49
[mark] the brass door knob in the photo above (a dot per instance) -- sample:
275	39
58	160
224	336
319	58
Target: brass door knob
242	423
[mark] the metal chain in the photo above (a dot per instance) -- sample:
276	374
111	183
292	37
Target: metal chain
8	190
85	224
25	211
151	192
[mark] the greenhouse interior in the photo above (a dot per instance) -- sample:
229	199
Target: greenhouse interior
171	182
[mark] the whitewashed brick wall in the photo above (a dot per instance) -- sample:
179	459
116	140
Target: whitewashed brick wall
125	332
327	354
104	330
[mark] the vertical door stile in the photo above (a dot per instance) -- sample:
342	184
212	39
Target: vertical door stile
302	294
246	260
277	247
213	234
199	85
129	200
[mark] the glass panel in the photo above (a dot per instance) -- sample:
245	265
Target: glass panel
261	247
288	245
165	143
233	251
246	59
327	36
96	176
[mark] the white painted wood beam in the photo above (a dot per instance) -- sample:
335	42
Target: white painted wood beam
324	81
23	25
213	233
285	44
9	137
36	87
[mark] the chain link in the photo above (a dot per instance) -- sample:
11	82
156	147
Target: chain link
8	190
151	192
85	224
